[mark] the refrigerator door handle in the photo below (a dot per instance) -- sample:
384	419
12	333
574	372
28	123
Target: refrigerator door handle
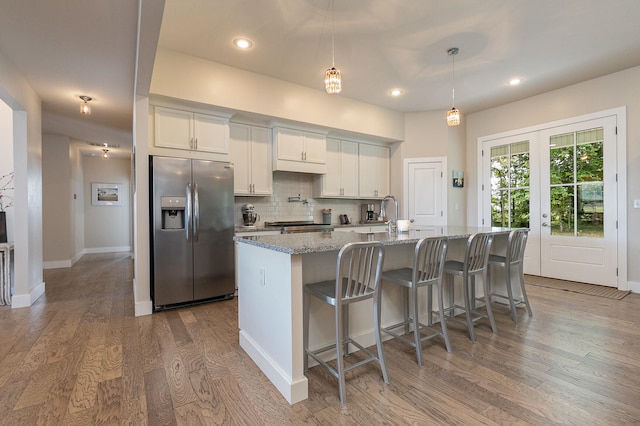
187	226
196	212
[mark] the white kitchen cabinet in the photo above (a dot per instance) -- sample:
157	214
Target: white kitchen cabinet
188	130
250	148
341	179
299	151
373	171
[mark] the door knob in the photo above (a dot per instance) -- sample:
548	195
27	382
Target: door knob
545	224
545	215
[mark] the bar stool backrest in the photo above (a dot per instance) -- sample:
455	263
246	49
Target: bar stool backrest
476	254
516	246
428	259
359	267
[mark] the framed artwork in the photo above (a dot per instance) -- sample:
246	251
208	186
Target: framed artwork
458	179
106	194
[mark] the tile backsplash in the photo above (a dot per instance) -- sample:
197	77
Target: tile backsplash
278	207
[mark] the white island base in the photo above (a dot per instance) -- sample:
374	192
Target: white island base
271	272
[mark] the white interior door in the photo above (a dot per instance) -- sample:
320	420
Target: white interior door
425	192
578	202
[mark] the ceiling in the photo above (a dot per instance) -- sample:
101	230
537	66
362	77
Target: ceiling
67	48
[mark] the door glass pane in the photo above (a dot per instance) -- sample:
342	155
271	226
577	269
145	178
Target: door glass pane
591	210
519	208
561	165
510	171
576	176
562	210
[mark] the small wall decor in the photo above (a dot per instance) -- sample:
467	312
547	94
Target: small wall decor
458	179
106	194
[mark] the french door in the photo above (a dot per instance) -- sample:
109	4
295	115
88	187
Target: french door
560	182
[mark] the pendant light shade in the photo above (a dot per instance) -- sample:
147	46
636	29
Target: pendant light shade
332	81
332	77
453	115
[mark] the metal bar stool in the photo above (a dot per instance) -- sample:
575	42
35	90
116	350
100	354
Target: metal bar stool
476	257
427	271
358	271
516	245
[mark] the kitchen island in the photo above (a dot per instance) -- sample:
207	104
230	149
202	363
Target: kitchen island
271	271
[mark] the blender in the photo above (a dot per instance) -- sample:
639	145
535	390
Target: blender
249	216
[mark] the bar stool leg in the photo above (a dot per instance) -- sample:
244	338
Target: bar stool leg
487	298
467	304
524	292
443	321
416	326
340	353
377	329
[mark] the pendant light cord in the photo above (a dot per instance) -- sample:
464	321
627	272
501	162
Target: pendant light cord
333	42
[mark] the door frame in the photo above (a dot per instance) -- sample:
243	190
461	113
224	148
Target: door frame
620	114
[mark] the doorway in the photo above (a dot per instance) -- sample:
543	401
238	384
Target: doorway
561	180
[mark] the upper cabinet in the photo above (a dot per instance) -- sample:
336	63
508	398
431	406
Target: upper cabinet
341	179
182	129
299	151
373	171
250	148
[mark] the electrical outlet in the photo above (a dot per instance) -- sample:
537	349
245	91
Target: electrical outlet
636	204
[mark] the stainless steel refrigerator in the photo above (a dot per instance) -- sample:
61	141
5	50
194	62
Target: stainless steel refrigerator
192	230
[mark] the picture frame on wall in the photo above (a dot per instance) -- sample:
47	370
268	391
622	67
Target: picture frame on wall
106	194
458	179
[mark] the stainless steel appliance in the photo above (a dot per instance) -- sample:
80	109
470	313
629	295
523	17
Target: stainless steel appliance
192	231
249	216
299	226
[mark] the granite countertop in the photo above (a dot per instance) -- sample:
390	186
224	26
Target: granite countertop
240	229
316	242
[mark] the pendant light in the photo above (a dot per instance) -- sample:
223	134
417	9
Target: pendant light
332	77
84	106
105	153
453	115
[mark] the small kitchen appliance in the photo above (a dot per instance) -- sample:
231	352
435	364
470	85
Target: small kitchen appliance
368	213
249	216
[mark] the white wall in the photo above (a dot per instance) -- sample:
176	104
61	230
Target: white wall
107	228
27	156
608	92
6	163
57	232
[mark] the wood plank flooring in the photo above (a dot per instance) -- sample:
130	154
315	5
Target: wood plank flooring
78	356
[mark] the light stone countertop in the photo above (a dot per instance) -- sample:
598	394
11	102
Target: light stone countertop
316	242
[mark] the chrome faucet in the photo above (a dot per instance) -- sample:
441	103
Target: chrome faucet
383	211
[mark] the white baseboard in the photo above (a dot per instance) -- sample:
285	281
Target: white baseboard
70	262
143	308
26	300
106	250
55	264
634	286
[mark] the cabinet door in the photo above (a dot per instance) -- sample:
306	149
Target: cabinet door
374	171
315	148
172	128
290	145
349	168
331	181
261	169
210	133
240	150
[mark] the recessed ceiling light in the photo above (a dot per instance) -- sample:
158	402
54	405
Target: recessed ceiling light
514	81
243	43
396	92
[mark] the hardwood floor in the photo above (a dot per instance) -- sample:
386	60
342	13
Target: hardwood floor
78	356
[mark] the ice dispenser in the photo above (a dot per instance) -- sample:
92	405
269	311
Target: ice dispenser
173	211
